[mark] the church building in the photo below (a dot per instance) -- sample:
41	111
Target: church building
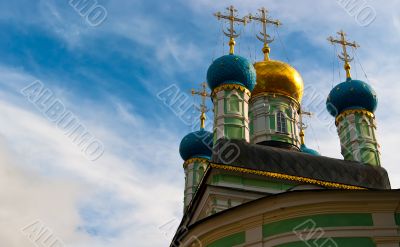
253	182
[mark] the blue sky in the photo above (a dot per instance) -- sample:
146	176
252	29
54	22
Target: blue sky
109	75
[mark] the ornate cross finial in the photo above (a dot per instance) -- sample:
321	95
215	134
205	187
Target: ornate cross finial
232	18
263	18
202	108
302	126
345	56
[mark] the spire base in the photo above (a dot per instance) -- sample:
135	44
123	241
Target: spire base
232	44
347	68
302	142
266	50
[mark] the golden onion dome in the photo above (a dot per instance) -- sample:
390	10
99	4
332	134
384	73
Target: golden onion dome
279	78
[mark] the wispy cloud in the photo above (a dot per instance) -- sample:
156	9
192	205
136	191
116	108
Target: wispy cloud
109	77
105	201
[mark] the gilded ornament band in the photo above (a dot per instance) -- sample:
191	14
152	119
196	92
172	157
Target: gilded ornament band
192	160
230	86
352	111
287	177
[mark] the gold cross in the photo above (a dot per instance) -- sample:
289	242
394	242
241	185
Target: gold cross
232	18
302	125
345	56
263	18
203	108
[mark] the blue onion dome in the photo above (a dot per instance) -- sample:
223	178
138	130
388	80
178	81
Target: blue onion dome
197	144
231	69
305	149
351	94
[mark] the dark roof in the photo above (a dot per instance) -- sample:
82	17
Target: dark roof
241	154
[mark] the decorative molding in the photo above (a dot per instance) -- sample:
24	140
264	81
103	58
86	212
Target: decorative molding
274	95
192	160
288	177
299	204
348	112
230	86
372	232
387	239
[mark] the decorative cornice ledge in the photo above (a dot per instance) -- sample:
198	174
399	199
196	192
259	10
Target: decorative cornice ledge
264	94
387	239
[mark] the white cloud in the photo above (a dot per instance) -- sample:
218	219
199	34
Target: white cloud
49	179
53	180
28	196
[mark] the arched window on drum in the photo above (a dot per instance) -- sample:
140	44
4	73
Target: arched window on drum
281	125
234	104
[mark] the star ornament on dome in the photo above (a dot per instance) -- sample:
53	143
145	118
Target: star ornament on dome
233	19
345	57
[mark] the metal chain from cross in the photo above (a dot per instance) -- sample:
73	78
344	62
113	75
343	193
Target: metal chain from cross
231	33
345	56
266	38
203	107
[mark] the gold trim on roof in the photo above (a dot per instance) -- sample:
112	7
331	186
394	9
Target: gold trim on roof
287	177
192	160
348	112
230	86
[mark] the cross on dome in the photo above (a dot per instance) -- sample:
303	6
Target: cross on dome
202	108
266	38
232	18
345	56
